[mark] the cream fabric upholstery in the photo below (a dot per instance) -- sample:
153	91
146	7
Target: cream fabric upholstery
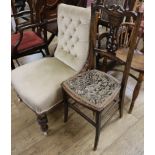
39	83
73	35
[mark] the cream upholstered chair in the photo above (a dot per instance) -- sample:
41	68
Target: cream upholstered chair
38	84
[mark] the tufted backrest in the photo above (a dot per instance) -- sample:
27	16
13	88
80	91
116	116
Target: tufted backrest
73	35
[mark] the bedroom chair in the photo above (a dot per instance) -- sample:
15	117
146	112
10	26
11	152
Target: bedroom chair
96	90
38	84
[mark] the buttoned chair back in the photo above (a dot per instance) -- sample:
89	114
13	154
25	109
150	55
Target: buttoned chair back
73	36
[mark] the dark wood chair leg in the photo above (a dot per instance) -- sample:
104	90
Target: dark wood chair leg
121	109
104	66
42	120
65	107
136	92
98	128
12	64
17	62
65	111
42	53
47	51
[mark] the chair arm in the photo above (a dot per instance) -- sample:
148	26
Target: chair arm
37	24
111	56
14	48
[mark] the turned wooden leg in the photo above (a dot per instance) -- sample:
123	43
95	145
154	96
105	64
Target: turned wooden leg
136	92
65	107
98	128
42	120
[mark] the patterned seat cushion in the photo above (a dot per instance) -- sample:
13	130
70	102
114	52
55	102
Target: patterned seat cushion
93	88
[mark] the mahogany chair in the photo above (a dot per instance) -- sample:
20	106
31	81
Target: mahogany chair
95	90
38	84
30	37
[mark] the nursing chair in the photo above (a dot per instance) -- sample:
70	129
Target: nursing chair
95	90
30	36
38	84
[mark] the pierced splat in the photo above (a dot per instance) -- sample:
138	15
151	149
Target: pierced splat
111	43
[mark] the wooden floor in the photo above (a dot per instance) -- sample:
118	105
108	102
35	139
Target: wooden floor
76	137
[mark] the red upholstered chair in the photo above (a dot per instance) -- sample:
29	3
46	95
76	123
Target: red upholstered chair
29	38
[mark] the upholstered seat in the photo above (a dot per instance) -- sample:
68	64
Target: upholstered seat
93	88
38	83
29	40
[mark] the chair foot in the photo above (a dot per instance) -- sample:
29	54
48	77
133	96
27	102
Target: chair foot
19	100
42	121
45	133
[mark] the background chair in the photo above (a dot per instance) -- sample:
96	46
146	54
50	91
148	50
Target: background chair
95	90
124	41
30	36
38	84
138	58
